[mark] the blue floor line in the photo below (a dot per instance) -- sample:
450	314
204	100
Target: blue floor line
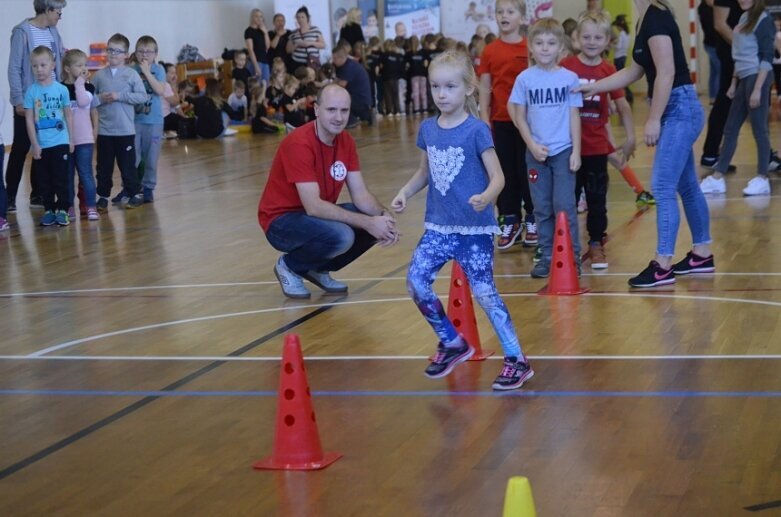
516	393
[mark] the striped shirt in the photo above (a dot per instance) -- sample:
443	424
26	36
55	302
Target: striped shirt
300	54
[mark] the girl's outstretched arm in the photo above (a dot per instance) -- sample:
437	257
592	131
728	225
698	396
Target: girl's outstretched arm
416	183
495	181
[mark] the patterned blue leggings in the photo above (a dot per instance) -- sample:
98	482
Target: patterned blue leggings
475	254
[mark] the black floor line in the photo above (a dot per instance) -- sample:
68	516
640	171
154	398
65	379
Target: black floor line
763	506
132	408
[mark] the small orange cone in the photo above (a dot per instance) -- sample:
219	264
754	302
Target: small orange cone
461	311
563	272
296	441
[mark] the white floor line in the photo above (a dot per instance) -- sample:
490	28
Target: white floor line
153	358
274	282
405	299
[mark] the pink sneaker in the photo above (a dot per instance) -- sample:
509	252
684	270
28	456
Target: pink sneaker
92	214
4	224
71	213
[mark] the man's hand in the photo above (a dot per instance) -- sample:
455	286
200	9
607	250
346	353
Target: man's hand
383	228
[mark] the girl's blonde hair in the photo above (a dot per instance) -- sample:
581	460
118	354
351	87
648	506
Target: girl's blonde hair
214	91
353	16
463	62
69	59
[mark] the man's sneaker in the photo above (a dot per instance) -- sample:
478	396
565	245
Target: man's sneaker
514	373
4	224
711	185
510	228
102	205
292	285
597	255
694	264
36	202
537	255
62	218
149	195
531	238
48	219
582	204
757	186
644	198
323	280
541	269
121	198
135	201
710	162
448	358
11	206
92	214
652	276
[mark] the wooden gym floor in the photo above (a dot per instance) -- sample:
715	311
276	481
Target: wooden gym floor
140	363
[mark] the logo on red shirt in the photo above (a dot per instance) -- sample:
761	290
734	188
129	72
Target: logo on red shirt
338	170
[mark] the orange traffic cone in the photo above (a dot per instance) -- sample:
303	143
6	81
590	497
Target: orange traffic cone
563	273
296	441
461	311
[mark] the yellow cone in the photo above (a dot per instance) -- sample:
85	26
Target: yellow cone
518	500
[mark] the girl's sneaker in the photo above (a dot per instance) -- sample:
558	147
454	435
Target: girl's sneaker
48	219
652	276
448	358
582	204
514	373
644	198
694	264
61	217
92	214
4	224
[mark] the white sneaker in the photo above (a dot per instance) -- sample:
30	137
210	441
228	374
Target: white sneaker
711	185
323	280
229	131
757	186
292	285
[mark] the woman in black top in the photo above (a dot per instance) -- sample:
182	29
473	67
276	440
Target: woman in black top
257	43
674	122
352	32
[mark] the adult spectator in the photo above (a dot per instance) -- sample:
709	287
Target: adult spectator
257	42
298	210
305	43
710	40
30	33
352	32
278	41
354	77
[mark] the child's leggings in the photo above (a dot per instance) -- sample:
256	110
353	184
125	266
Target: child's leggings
419	98
475	254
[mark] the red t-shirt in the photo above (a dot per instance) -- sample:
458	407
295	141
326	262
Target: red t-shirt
303	158
594	115
504	61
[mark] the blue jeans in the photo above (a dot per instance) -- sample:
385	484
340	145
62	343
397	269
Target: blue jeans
715	71
315	244
674	172
475	254
81	161
149	141
552	184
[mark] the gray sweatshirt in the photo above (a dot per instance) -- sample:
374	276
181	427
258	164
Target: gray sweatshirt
20	71
118	118
753	52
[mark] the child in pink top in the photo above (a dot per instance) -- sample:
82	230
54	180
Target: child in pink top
83	103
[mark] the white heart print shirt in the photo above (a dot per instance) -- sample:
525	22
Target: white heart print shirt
456	173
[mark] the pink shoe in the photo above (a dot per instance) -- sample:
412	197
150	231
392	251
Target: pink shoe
92	214
4	224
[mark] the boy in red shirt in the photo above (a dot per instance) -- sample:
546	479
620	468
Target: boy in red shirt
594	37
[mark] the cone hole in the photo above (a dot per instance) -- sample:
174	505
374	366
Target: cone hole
290	420
559	232
456	322
290	394
289	368
458	282
559	264
559	248
313	416
457	302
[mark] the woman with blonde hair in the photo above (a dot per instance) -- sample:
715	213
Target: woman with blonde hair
351	31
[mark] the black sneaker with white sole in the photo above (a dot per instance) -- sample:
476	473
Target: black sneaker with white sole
653	276
694	264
